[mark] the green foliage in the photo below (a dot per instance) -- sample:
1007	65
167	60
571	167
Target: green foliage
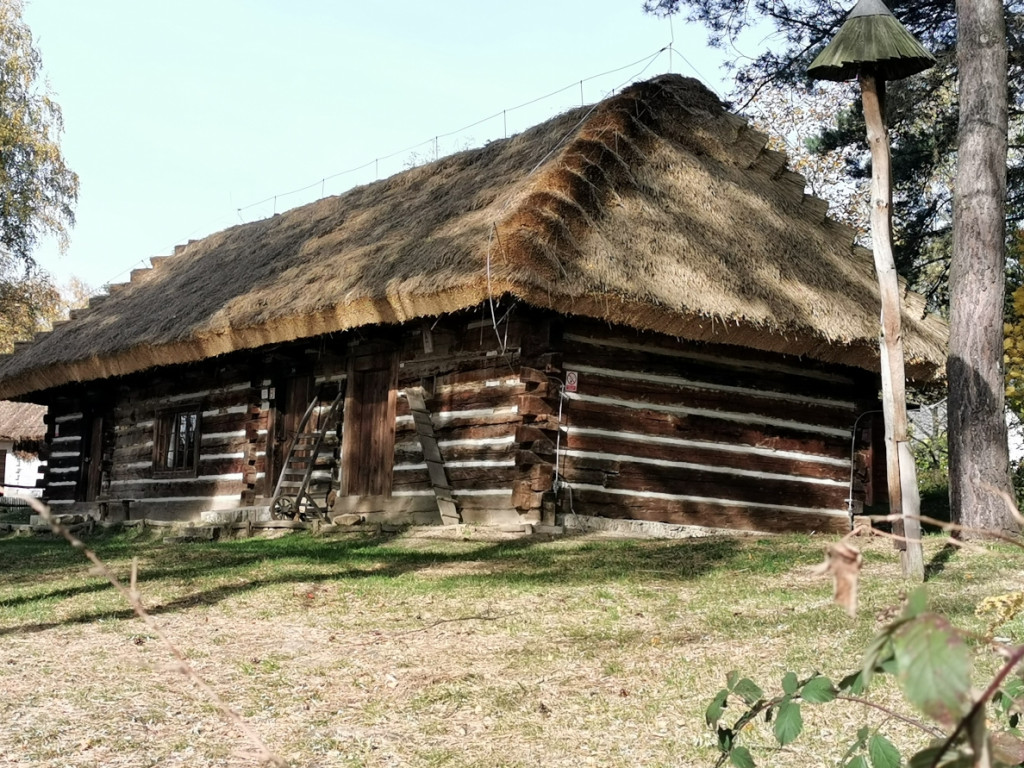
1017	479
29	302
882	752
747	690
783	710
931	663
788	721
1006	701
931	455
37	189
741	758
933	668
818	690
931	459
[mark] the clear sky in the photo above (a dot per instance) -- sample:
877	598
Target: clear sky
177	114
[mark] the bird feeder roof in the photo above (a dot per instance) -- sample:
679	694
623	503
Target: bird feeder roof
872	39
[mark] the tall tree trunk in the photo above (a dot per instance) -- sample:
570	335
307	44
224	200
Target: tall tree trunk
978	455
904	499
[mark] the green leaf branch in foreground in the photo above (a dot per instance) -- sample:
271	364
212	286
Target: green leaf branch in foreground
784	709
931	663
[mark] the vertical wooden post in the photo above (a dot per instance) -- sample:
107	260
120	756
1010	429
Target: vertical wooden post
902	474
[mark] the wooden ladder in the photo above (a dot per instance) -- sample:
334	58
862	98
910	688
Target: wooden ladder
432	455
291	494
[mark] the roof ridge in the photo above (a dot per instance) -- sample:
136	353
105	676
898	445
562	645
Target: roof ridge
561	200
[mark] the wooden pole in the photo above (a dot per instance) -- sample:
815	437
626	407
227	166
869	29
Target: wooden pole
904	499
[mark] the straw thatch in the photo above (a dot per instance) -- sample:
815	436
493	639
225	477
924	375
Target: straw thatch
656	209
22	421
873	40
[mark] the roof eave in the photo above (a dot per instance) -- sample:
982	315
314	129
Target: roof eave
398	309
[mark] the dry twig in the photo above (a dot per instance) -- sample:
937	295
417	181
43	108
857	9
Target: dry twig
131	593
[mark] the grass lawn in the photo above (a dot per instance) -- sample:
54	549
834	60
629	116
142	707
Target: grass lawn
485	650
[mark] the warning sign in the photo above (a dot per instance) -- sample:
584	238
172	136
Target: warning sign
572	380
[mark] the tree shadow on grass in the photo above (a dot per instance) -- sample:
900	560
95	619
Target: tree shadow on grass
527	562
937	563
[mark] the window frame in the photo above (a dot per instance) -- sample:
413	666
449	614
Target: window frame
166	426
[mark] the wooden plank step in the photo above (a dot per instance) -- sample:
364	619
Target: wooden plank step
449	512
416	398
437	476
430	450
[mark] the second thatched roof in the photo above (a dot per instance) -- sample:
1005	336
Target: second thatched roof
655	209
22	421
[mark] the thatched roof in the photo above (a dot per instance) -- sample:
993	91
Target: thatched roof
21	421
656	209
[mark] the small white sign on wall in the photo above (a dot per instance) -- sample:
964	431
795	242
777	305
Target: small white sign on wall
572	381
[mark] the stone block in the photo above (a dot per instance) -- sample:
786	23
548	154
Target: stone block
239	515
348	519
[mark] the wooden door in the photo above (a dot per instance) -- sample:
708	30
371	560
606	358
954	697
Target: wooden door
291	399
368	436
91	477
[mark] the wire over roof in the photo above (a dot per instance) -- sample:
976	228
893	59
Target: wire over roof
656	209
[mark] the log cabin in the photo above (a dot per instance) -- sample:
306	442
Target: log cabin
630	312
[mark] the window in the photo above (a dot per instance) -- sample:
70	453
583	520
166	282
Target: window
176	444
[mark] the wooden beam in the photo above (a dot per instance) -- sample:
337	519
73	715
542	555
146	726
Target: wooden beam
902	474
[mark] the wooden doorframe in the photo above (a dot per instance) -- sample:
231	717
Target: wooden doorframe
284	420
368	433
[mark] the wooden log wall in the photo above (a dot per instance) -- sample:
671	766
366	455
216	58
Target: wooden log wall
468	366
723	437
62	472
255	474
656	429
231	450
235	400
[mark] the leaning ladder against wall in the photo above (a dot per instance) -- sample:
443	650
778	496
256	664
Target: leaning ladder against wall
432	456
292	497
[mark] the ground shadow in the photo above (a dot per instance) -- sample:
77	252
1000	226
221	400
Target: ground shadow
526	561
937	563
